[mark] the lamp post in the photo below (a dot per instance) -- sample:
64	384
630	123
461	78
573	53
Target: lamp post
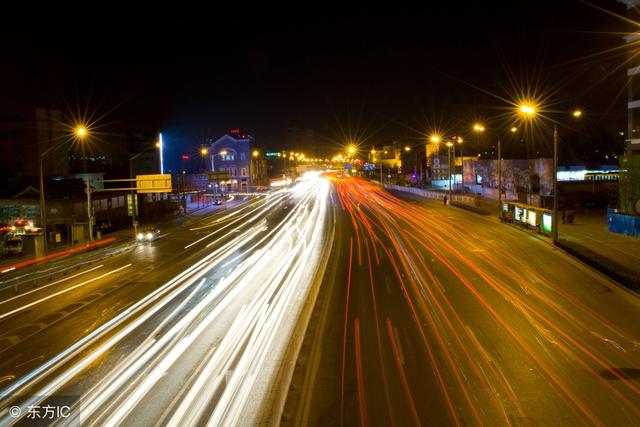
87	190
529	111
43	210
499	175
80	132
449	145
459	140
555	184
134	197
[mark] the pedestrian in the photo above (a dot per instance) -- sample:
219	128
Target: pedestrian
445	199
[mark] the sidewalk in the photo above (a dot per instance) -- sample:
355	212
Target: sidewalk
590	231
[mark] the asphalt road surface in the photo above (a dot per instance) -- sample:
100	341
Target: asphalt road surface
182	330
432	315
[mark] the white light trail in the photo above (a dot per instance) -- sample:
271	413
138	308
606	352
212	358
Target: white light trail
271	272
55	294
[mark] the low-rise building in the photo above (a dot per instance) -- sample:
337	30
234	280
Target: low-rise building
237	154
388	154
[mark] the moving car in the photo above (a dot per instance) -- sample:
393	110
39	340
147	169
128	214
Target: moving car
148	234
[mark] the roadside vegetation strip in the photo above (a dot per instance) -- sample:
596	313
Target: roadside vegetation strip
58	254
621	274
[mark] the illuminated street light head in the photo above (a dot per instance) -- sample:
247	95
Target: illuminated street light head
478	127
204	151
81	131
435	138
460	140
255	153
449	144
514	129
577	113
351	149
157	144
527	110
407	148
373	151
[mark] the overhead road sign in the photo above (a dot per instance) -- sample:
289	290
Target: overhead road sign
158	183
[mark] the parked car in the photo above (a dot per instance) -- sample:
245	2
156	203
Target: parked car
13	247
148	234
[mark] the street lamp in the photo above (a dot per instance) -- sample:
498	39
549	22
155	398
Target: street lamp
160	145
460	140
449	144
80	132
528	111
477	127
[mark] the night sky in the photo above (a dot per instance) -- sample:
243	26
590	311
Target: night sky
369	73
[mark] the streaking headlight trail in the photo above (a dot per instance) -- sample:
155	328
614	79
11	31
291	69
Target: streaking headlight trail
196	346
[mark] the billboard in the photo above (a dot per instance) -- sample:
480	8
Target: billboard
157	183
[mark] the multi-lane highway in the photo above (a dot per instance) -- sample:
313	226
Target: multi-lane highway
186	329
437	316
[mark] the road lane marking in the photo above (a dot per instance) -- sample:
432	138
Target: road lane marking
24	307
50	284
399	344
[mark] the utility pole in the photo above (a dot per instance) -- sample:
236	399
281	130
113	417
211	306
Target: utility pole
43	210
449	152
134	196
499	175
555	183
89	210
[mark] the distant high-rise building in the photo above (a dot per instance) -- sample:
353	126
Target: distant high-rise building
633	73
23	138
629	187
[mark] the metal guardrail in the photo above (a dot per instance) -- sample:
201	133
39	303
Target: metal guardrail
436	195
